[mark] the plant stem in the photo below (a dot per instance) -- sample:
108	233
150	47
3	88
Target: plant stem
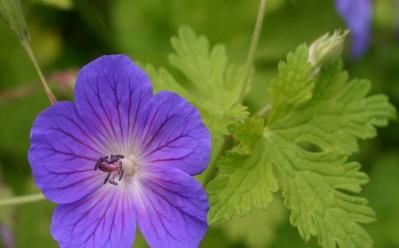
21	199
254	44
29	51
218	143
212	170
264	110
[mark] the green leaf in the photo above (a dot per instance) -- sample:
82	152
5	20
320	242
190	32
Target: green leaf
339	113
163	80
293	85
243	182
313	127
207	80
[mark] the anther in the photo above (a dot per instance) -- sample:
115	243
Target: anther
112	165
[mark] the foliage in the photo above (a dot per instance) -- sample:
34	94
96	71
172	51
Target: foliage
310	132
304	145
209	81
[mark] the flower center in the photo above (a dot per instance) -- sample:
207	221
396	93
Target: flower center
130	166
117	167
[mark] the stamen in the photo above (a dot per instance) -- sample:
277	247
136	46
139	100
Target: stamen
112	165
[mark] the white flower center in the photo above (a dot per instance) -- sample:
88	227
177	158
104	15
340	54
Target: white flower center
129	165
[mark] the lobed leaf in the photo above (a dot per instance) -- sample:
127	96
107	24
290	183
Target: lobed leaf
208	80
293	85
243	182
313	127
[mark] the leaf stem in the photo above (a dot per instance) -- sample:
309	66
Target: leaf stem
21	199
264	110
212	170
254	44
220	145
31	55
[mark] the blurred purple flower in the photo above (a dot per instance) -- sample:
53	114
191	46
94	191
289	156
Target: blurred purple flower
118	156
7	239
357	15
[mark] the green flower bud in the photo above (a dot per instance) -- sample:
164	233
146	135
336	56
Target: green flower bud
326	49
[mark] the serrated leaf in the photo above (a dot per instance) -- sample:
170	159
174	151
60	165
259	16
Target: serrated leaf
242	182
313	127
312	187
247	133
293	85
209	81
163	80
339	113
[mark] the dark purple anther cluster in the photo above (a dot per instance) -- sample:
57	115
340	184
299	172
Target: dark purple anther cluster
112	165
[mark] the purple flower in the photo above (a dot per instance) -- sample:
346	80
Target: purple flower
357	15
119	155
7	239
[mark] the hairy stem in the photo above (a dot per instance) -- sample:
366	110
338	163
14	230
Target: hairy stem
21	199
29	51
254	44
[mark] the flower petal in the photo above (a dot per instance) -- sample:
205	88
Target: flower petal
172	134
104	219
109	92
357	15
63	153
171	208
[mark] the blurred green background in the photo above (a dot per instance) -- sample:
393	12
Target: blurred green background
66	34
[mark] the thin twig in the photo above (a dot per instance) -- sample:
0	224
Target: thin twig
254	44
28	49
21	199
211	172
264	110
248	66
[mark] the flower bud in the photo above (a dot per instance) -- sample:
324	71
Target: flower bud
326	49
